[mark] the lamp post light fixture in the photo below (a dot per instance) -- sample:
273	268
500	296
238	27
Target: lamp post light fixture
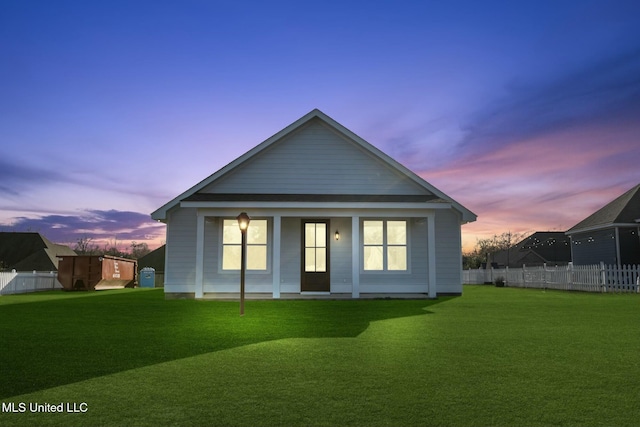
243	223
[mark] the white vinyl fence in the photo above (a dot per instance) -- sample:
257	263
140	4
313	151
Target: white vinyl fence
21	282
588	278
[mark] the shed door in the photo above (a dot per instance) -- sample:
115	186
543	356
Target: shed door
315	256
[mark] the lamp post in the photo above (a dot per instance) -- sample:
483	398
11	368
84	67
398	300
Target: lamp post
243	223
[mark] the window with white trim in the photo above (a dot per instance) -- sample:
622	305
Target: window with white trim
384	245
256	245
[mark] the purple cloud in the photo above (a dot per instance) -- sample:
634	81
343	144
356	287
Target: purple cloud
99	225
16	177
603	91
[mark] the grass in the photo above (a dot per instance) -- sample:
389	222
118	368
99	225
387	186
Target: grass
492	357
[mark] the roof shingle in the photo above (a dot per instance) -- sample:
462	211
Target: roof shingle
623	210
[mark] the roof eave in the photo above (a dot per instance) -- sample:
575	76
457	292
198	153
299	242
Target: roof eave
161	213
314	205
600	227
467	215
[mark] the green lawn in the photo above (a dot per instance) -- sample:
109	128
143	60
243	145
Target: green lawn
492	357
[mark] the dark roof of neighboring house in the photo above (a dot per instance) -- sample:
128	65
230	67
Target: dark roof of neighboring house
551	246
623	210
538	248
26	251
154	259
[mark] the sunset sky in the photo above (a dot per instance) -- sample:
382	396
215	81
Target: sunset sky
527	113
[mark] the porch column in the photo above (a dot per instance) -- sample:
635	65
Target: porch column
617	237
200	256
276	255
431	254
355	257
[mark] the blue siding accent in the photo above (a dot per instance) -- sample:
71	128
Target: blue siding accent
594	247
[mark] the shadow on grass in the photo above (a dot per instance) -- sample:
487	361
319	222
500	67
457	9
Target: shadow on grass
54	341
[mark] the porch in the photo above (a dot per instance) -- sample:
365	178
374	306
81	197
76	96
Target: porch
286	266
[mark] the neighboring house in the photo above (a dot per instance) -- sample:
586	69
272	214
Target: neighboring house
609	235
330	213
542	247
154	259
25	251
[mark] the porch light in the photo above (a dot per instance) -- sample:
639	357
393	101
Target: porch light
243	223
337	235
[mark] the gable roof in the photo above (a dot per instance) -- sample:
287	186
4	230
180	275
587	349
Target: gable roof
537	248
154	259
624	210
192	193
28	251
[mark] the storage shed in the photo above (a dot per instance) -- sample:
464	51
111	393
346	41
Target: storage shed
90	272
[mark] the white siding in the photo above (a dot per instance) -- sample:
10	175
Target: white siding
290	255
412	281
448	252
180	265
181	254
315	160
340	255
211	262
218	280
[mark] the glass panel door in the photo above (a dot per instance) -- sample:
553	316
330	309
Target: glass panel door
315	247
315	256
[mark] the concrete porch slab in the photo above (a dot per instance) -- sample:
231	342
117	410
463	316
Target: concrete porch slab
232	296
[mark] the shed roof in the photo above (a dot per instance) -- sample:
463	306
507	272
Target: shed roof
154	259
624	210
434	196
28	251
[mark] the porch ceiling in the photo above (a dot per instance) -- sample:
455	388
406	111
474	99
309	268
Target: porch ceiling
340	198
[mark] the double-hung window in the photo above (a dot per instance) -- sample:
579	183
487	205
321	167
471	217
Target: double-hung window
384	245
256	245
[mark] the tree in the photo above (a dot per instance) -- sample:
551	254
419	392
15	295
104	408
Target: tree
138	250
111	251
85	247
485	247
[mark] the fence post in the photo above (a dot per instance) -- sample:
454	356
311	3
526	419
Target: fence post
524	277
506	276
603	277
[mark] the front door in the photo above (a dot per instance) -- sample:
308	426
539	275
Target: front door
315	256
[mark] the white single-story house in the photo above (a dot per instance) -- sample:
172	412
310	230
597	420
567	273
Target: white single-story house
330	214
